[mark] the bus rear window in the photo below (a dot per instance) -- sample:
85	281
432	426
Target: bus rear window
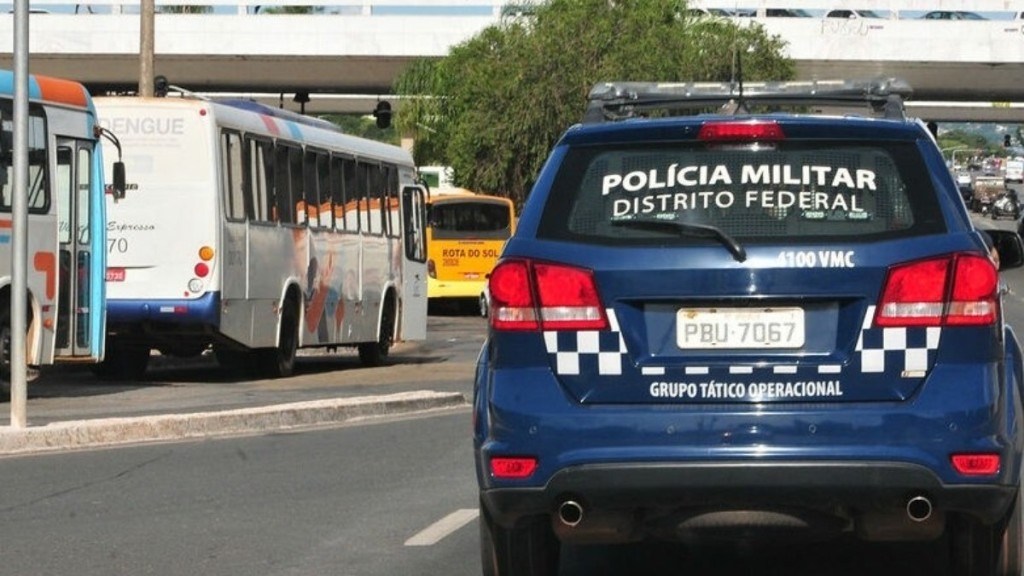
469	218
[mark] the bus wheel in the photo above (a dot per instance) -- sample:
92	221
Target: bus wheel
123	362
280	362
376	353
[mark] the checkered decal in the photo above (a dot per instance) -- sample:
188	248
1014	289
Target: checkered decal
592	351
910	351
904	349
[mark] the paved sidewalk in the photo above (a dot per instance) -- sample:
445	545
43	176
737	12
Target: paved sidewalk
68	408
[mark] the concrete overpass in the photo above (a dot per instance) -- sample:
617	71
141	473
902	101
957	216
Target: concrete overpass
347	55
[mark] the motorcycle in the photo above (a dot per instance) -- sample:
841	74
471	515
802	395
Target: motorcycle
1005	205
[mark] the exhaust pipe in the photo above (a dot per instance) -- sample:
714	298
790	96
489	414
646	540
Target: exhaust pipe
570	513
919	508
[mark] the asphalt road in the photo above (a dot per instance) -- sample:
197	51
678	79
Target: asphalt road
380	497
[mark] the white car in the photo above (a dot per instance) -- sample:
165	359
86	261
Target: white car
852	14
485	302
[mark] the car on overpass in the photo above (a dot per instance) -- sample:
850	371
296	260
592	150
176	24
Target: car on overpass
851	14
952	15
732	327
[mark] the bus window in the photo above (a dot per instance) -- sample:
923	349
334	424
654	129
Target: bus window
323	177
363	194
310	204
260	173
353	192
393	217
339	171
38	191
233	184
297	186
283	210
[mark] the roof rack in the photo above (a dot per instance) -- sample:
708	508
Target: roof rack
611	101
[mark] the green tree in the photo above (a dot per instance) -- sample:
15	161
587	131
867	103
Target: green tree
184	9
493	107
364	126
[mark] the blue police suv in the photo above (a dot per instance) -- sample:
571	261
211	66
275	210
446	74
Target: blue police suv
719	320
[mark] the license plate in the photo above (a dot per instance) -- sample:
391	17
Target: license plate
733	328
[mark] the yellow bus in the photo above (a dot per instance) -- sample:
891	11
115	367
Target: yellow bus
466	232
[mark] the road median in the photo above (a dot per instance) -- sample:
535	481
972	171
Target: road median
103	432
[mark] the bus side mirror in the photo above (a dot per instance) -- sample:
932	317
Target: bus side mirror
1009	246
119	180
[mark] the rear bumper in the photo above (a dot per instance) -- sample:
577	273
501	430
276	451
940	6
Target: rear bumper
826	487
735	501
204	310
439	289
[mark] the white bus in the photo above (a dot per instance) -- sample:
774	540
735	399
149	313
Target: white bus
256	231
66	226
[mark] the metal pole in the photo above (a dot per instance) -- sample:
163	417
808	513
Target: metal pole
19	210
146	48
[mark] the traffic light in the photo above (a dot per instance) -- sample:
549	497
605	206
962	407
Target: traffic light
383	114
160	86
1006	140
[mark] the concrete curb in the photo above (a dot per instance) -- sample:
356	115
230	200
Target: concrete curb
113	431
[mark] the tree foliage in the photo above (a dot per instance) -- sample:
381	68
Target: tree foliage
494	106
364	126
189	9
970	144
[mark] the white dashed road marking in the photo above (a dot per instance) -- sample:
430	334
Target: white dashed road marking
438	530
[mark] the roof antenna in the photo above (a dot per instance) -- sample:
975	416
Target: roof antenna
741	103
737	104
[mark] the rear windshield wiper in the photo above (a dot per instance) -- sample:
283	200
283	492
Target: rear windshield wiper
687	229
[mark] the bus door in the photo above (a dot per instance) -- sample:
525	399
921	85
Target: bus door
414	263
79	270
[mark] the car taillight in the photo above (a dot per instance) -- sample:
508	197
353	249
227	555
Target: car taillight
958	289
745	131
512	297
513	467
527	295
431	268
970	464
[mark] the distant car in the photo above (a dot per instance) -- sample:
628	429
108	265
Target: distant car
1014	170
485	302
712	12
985	191
952	15
852	14
965	183
786	13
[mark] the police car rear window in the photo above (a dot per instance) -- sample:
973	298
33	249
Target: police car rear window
790	191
